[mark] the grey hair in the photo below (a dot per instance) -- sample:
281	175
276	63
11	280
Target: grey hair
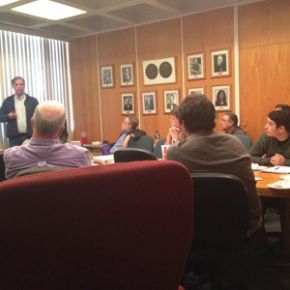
16	79
50	121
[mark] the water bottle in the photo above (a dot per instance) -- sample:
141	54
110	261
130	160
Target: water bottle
84	139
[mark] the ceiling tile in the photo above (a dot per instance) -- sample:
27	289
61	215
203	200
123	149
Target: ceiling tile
99	4
19	20
141	13
64	30
98	23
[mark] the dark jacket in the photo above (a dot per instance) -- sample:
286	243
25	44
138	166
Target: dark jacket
8	106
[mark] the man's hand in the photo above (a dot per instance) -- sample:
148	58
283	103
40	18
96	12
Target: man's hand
277	159
12	115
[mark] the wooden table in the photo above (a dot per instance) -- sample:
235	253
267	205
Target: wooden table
267	178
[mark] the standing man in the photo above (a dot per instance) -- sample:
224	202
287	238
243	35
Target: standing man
17	111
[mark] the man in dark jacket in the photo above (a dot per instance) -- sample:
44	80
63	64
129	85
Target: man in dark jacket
17	111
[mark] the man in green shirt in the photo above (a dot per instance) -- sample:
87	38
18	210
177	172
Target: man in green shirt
272	149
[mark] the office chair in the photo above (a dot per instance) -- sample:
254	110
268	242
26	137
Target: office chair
144	142
157	148
246	140
123	226
221	244
133	154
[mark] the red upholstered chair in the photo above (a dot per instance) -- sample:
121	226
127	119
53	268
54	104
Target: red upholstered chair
124	226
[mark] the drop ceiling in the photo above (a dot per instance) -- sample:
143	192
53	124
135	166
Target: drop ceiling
105	15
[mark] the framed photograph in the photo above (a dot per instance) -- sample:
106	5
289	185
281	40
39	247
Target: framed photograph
220	63
149	103
127	103
221	98
171	98
195	66
127	77
159	71
196	91
107	80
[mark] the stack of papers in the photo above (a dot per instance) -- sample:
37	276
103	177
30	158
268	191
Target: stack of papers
277	169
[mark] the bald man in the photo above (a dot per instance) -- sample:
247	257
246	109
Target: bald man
44	148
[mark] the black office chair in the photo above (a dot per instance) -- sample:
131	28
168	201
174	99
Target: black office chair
133	154
144	142
157	148
221	246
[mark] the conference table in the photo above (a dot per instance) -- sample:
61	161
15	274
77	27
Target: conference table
269	178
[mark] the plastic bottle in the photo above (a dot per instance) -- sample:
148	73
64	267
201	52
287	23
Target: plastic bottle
84	139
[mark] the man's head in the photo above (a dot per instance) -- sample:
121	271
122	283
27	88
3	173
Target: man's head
48	120
130	123
18	85
282	107
278	124
229	121
197	113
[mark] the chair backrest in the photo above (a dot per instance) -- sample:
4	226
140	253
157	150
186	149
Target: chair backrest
2	167
246	140
144	142
123	226
157	148
133	154
221	209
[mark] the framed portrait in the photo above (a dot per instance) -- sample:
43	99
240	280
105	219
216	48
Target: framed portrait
196	91
220	63
149	103
107	80
127	77
171	98
221	98
195	66
159	71
127	101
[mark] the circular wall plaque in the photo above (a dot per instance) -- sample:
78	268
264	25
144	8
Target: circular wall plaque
165	69
151	71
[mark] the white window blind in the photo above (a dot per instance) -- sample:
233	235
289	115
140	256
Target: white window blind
42	62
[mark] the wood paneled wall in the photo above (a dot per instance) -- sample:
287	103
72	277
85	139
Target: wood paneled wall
176	38
84	74
264	66
264	61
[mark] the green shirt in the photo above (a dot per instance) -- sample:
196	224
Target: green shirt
266	147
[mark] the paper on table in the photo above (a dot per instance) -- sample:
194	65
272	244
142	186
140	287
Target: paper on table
281	184
277	169
256	166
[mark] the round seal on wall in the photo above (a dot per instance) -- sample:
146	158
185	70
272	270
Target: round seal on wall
165	69
151	71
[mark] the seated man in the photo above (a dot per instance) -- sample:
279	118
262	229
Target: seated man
204	150
44	148
130	130
229	124
273	148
